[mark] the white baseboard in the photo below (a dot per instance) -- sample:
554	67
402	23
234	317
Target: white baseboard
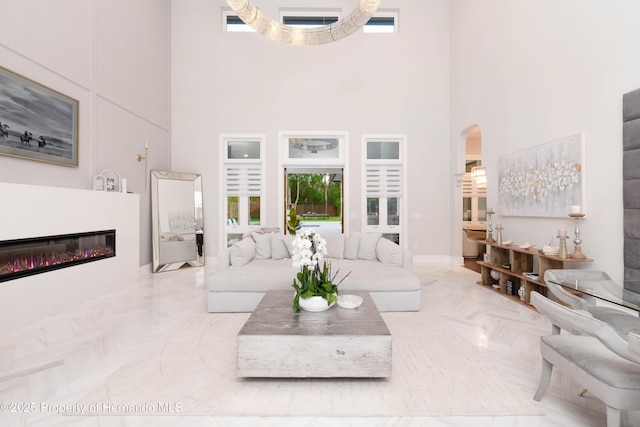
146	269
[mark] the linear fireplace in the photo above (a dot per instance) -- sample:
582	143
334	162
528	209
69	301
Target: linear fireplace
25	257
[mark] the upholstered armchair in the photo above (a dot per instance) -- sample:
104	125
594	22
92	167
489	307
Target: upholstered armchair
593	354
621	321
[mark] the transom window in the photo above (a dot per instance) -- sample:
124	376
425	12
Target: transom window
233	24
380	22
309	19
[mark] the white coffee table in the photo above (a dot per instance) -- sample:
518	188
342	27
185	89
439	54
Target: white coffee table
278	342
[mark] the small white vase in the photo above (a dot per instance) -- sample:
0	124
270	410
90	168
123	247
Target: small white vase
314	303
521	292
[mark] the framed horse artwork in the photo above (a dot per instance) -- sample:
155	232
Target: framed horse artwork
36	122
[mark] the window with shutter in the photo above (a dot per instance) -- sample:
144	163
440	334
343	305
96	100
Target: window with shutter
241	184
384	181
243	179
474	200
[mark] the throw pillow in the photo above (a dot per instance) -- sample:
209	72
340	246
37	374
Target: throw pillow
279	248
351	244
242	252
263	244
335	246
288	242
171	237
389	253
367	246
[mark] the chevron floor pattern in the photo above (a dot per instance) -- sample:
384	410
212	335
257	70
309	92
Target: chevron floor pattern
57	361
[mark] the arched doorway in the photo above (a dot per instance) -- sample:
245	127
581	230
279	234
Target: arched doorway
474	200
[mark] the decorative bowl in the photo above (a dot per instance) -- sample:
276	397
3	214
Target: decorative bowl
315	304
349	301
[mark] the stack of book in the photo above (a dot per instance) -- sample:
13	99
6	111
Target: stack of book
510	287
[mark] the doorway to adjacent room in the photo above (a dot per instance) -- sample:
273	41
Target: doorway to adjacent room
474	201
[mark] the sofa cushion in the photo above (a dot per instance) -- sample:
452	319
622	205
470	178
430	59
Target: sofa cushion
263	244
288	242
335	246
389	253
242	252
171	237
351	244
373	276
279	248
260	275
367	246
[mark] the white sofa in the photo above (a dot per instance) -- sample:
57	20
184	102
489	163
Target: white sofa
262	261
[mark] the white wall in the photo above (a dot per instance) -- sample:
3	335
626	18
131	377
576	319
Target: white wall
364	84
113	57
530	72
527	72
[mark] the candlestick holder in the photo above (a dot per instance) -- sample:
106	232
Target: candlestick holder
499	229
562	252
490	238
577	250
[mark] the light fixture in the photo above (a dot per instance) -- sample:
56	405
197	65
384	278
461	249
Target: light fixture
274	30
146	159
479	175
313	144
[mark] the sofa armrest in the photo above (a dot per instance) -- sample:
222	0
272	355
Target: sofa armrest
407	259
224	260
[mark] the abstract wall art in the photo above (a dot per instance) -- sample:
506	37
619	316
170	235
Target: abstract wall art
543	181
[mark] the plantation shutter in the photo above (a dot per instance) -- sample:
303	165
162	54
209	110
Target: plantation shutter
471	189
243	180
384	181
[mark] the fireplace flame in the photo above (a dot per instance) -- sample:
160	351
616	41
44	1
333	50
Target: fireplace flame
33	262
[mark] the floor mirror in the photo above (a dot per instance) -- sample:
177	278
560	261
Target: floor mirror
177	221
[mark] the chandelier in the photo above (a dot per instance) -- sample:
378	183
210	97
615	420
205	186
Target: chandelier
274	30
479	175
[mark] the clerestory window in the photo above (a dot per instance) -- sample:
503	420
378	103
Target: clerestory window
380	22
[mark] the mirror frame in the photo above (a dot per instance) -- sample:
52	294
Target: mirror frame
198	260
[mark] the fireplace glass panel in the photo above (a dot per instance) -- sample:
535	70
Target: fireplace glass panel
25	257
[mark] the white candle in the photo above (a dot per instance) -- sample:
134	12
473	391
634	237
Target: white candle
576	209
562	232
146	143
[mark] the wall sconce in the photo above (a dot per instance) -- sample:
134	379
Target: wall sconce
145	158
479	175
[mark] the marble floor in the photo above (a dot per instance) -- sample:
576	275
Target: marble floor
57	361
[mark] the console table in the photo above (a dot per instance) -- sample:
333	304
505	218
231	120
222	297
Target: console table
516	265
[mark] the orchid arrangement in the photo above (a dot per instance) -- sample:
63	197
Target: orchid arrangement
315	277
